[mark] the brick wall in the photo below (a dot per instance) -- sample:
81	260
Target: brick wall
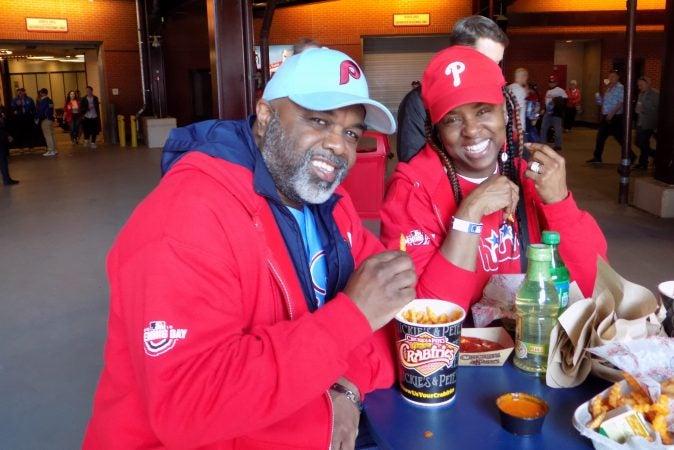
341	24
110	22
580	5
536	53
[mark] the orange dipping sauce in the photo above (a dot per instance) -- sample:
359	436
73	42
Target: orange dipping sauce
523	406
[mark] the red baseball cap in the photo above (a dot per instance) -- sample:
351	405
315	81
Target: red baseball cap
457	76
552	78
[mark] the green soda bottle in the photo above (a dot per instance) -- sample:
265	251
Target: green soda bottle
558	271
536	308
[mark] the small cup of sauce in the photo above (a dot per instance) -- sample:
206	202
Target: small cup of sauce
521	413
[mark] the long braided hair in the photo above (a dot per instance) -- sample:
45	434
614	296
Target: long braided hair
508	165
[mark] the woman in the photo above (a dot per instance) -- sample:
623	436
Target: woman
572	105
71	114
468	205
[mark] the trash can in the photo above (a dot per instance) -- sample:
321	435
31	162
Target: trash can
365	182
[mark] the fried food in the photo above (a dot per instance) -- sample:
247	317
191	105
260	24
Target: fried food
654	412
403	243
594	423
429	317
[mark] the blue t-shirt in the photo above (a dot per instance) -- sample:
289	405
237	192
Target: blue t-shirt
315	252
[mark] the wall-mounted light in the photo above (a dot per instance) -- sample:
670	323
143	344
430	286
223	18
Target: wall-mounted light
155	41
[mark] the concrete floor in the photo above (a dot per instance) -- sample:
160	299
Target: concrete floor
58	224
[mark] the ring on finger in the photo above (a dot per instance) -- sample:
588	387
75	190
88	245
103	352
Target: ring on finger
536	167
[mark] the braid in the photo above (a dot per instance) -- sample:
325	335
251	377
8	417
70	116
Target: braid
511	168
447	163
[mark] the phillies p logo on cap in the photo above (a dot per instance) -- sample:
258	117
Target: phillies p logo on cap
347	70
455	69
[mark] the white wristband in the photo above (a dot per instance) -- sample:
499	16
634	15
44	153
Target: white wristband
465	226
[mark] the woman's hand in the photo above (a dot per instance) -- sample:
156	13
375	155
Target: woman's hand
548	174
494	194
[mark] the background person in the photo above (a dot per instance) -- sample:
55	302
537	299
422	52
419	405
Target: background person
611	122
5	139
45	118
454	200
555	101
90	109
572	105
647	122
268	278
519	88
478	32
71	115
22	119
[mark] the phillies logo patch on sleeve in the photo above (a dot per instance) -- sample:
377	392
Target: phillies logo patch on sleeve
347	70
159	338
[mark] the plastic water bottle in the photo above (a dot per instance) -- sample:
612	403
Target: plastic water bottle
536	308
558	271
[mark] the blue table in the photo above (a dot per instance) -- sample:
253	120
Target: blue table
472	419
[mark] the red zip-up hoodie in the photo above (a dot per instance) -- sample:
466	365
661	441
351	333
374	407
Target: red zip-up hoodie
420	204
210	342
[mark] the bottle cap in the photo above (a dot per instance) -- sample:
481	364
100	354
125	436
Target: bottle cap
550	237
539	252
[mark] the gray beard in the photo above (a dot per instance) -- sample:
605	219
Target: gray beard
292	172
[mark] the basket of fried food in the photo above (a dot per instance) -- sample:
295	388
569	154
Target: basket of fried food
624	416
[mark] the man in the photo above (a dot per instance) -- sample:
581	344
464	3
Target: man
479	32
45	117
243	287
647	109
572	105
23	115
5	139
555	103
305	43
91	117
611	122
519	88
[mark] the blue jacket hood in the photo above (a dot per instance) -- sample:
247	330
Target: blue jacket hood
222	139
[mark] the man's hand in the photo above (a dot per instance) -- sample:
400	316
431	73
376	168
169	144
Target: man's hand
346	418
382	285
550	180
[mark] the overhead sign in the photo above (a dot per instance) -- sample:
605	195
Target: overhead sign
50	25
411	20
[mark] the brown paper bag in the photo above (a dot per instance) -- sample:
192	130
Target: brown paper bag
618	311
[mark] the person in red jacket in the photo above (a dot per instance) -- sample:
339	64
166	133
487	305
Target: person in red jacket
71	115
468	204
248	302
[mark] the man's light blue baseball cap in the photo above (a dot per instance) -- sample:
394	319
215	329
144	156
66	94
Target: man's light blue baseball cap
322	79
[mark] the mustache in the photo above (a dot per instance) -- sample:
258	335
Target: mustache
327	155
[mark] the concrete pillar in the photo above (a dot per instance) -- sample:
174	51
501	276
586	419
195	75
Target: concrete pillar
664	158
230	33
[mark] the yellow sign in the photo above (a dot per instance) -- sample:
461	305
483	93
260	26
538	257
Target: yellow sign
411	20
51	25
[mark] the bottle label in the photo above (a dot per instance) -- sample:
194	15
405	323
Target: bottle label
562	289
525	349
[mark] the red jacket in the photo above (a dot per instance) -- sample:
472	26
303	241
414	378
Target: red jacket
419	204
68	110
245	365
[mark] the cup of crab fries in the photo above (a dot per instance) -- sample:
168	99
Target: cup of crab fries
428	334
